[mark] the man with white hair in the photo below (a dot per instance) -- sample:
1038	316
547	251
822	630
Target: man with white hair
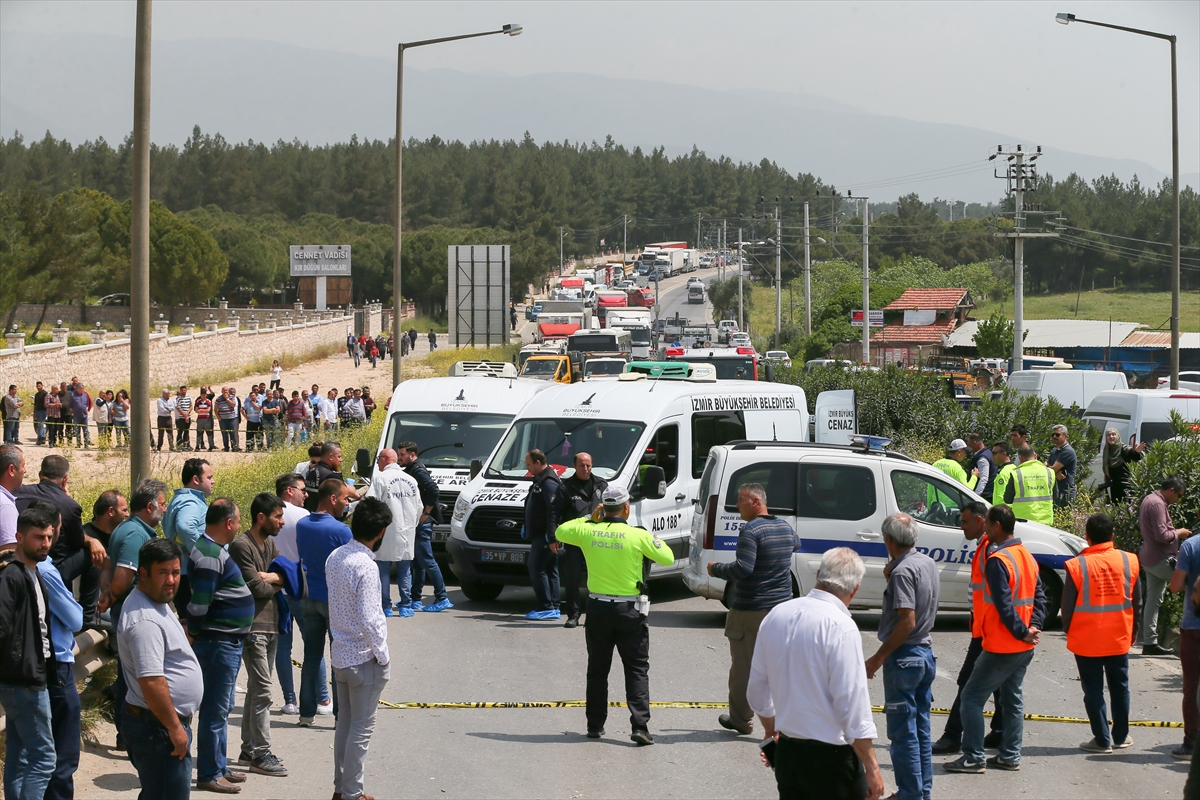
910	604
809	689
399	491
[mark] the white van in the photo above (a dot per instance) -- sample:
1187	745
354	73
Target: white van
1069	387
1141	415
838	496
454	421
651	436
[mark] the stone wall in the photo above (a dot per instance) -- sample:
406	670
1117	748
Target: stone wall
174	360
74	316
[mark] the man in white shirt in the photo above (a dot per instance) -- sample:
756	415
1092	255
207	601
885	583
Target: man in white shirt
329	410
359	650
165	408
809	689
399	491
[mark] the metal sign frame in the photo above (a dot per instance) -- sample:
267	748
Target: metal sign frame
478	294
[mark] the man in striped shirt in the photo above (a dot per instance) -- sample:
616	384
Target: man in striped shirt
219	616
762	579
183	419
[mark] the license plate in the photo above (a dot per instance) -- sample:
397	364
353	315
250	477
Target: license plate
440	535
505	556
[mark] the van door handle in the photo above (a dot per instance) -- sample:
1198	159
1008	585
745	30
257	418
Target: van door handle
868	535
680	496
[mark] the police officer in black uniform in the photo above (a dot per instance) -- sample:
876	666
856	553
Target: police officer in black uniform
578	497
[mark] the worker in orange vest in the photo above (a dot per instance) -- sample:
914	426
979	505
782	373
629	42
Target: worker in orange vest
1098	609
973	522
1014	607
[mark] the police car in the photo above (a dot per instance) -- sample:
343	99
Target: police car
838	496
650	435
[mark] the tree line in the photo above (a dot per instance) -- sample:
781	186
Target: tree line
254	199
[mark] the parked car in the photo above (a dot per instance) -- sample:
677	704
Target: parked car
1188	381
779	357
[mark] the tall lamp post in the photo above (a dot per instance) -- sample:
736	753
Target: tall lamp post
397	301
1066	19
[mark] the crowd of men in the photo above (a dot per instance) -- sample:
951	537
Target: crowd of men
363	347
266	418
220	589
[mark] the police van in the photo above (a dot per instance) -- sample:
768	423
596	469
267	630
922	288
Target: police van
454	421
651	436
839	496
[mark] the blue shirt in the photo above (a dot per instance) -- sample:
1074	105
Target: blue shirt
1189	562
762	570
184	520
253	414
66	615
318	535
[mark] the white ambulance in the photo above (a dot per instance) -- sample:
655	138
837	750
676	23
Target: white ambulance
454	421
838	496
650	436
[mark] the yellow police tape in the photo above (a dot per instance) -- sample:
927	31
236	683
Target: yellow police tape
681	704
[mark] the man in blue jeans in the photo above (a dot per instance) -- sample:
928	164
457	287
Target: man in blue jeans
318	535
28	664
219	615
1013	612
163	674
910	604
423	561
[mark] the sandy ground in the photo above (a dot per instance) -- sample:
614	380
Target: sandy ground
96	465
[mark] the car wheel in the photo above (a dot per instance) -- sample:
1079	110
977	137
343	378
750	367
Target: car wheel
481	591
1052	588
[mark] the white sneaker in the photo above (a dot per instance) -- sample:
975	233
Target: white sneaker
325	709
289	708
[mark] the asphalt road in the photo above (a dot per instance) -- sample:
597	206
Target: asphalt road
487	652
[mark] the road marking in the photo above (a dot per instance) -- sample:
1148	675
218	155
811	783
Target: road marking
706	705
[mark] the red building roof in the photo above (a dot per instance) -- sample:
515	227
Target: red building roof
914	334
936	299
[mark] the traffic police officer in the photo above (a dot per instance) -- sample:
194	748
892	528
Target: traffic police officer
1004	470
614	551
952	464
1030	493
1097	616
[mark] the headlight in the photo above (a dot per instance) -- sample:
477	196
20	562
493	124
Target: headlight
461	506
1073	543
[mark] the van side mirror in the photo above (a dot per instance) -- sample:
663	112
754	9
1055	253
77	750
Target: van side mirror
476	467
363	463
654	483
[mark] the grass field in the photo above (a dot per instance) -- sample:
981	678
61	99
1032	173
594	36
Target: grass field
1152	309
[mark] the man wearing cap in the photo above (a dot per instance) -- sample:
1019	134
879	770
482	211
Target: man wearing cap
615	551
952	464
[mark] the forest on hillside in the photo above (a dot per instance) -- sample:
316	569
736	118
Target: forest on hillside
225	213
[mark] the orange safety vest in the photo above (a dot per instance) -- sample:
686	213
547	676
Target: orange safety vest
1022	584
1102	623
975	587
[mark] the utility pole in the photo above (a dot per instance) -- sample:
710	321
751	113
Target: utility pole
741	323
807	283
1020	177
139	288
561	234
866	285
698	231
724	245
625	241
778	277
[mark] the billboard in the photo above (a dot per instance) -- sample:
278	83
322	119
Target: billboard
477	294
320	260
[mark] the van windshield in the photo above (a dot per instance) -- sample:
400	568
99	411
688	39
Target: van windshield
609	442
728	369
445	438
594	342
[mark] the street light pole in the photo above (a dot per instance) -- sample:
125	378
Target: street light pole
1066	19
397	297
778	277
807	284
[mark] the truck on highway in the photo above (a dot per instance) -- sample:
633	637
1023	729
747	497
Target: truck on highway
558	319
604	342
608	300
564	367
640	296
732	363
637	321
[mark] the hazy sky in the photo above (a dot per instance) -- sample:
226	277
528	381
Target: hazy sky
998	66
